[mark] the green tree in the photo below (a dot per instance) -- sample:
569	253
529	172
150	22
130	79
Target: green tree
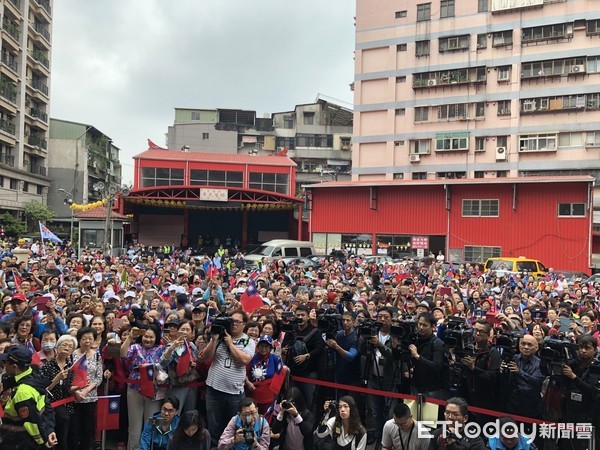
12	227
37	212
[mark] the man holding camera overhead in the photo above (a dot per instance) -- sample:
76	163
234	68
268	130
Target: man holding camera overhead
230	352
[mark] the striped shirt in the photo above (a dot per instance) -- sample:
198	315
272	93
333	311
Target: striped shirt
226	374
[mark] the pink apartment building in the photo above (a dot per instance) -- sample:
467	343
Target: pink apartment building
476	89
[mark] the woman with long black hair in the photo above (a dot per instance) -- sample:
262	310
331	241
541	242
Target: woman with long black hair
293	426
191	433
345	429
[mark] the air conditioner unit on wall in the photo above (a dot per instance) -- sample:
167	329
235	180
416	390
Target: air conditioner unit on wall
414	158
501	153
578	69
432	82
529	106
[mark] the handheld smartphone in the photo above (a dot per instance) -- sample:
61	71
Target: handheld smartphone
138	333
212	312
138	313
565	323
446	291
312	305
490	317
118	323
264	311
42	303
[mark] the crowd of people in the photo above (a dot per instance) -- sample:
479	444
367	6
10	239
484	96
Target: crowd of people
203	353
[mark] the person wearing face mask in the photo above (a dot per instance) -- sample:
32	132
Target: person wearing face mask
402	432
48	351
57	370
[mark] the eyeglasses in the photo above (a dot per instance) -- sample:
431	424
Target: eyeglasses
237	322
168	410
452	413
479	331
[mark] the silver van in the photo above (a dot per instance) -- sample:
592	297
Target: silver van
272	250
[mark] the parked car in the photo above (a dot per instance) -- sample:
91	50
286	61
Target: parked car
308	262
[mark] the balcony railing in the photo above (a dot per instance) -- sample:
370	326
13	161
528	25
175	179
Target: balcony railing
39	56
8	126
37	170
43	88
39	114
7	160
8	92
45	4
38	141
11	28
17	4
43	30
10	61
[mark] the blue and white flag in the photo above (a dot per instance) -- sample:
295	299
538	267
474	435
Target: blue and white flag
48	235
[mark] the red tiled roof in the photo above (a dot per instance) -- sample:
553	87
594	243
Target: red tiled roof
99	213
177	155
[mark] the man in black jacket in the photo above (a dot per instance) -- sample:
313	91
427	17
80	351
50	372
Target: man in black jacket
428	360
451	435
304	348
481	369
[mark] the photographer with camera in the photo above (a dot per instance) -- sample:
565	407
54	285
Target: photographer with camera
451	435
481	368
346	344
293	426
523	386
343	431
428	359
303	348
161	426
380	366
402	432
246	430
230	351
582	381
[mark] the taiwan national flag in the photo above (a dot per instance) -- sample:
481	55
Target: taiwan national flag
185	360
80	369
48	235
107	417
251	299
147	380
278	378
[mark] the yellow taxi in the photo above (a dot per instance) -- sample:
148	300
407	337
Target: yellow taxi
508	265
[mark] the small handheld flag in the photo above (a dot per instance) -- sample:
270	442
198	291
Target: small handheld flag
48	235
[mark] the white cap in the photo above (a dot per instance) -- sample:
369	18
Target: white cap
197	291
130	294
85	278
108	294
98	277
173	287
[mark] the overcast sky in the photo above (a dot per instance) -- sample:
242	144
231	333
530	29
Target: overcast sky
124	65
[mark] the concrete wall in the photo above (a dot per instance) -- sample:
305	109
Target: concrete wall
191	134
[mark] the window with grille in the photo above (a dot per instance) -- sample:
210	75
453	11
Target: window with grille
480	208
571	210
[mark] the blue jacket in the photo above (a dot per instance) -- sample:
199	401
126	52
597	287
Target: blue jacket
161	438
495	444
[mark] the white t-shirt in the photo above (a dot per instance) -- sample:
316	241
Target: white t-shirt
391	437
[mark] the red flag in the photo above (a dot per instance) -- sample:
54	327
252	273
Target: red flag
251	299
35	359
107	415
185	360
147	380
278	379
80	369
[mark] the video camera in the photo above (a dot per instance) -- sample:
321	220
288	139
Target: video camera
248	431
369	327
288	322
555	352
459	337
220	325
507	344
328	322
406	332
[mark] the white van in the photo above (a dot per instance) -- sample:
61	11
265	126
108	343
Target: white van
277	248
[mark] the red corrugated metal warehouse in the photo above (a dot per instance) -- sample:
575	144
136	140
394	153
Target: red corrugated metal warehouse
549	219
